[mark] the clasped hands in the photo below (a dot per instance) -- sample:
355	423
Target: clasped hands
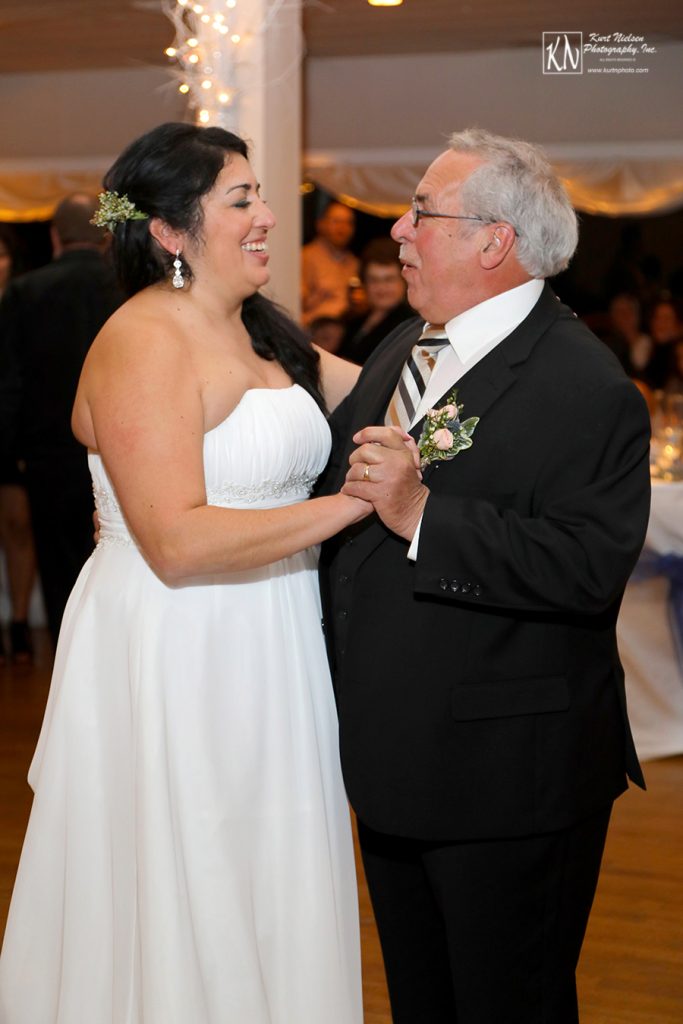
385	471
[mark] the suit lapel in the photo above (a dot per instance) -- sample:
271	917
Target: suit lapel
478	390
375	388
372	396
388	371
490	378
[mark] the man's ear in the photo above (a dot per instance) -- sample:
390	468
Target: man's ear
498	244
167	237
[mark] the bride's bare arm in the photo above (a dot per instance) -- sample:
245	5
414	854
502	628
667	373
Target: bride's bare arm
337	377
147	416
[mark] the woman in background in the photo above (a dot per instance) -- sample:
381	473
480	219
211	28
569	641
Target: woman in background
666	330
386	299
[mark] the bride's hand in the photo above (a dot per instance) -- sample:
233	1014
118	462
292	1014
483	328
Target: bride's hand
357	508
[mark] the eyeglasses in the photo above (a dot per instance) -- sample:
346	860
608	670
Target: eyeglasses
416	213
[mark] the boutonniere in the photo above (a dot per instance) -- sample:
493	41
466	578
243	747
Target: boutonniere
443	434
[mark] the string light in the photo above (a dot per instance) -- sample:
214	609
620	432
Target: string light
209	54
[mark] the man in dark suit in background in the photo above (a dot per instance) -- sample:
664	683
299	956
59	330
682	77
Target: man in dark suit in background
48	320
471	621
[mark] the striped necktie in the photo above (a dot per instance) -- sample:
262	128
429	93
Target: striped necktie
414	378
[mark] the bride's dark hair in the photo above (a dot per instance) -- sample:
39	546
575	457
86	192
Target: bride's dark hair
165	173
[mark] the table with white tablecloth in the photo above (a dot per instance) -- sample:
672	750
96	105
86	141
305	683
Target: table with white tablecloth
654	676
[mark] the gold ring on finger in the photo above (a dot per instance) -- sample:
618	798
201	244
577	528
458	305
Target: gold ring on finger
366	473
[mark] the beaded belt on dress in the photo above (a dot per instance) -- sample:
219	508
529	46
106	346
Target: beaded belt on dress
296	488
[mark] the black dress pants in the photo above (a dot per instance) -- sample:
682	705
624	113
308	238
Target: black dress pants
485	932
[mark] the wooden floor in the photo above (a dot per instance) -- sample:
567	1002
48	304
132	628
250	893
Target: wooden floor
632	965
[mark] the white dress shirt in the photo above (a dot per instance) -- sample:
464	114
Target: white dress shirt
472	335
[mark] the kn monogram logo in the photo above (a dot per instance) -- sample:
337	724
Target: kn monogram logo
563	53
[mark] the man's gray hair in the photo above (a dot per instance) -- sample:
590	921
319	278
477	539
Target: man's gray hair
516	184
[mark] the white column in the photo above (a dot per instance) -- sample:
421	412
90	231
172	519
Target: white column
239	63
269	117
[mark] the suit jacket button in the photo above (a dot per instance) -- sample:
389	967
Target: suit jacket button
465	588
343	579
443	584
455	586
343	614
477	591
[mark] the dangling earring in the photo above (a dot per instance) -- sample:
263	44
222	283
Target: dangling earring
178	280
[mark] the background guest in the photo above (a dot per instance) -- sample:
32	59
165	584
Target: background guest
666	330
632	347
48	320
387	307
327	332
675	379
328	265
16	538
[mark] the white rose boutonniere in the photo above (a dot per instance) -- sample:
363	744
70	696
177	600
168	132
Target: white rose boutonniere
443	434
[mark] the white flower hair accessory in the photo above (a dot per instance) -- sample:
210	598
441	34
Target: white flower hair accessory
115	209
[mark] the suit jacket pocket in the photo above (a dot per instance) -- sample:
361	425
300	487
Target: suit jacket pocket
509	697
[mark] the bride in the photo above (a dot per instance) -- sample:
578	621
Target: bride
188	858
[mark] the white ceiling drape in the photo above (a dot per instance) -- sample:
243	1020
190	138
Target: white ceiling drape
638	179
607	179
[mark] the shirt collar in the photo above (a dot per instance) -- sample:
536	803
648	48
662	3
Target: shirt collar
492	320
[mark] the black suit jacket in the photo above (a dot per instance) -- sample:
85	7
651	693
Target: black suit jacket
479	689
48	320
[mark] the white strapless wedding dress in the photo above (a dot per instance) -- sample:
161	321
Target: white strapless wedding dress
189	857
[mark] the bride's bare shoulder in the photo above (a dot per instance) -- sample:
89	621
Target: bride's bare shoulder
144	329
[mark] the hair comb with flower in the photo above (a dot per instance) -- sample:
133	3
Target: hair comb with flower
115	209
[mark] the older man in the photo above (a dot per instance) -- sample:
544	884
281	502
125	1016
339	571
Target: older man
471	621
